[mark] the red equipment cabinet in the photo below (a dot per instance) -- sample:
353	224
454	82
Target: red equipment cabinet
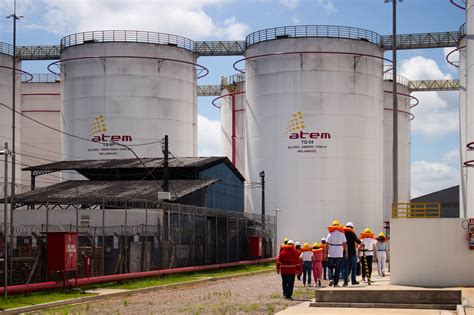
255	246
62	251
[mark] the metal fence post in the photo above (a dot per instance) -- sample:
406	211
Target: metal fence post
217	243
227	238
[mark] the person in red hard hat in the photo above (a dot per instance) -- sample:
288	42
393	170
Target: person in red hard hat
288	265
336	251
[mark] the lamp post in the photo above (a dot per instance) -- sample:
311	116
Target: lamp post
262	182
13	182
5	152
395	102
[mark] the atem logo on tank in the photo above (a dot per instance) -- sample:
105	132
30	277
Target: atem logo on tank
98	131
303	140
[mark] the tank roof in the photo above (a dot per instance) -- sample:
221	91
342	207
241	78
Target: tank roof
303	31
128	36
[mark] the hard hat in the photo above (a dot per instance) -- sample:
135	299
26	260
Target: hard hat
367	230
285	240
316	245
291	242
297	243
335	223
350	224
305	245
381	234
323	239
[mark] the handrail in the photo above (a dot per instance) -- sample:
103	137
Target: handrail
41	78
126	36
6	49
462	30
454	2
388	76
415	210
329	31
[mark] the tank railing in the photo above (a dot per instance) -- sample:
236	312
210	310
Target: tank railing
237	78
388	76
460	6
462	30
330	31
127	36
41	78
6	49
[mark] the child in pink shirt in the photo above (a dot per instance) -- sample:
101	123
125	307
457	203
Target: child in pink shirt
317	263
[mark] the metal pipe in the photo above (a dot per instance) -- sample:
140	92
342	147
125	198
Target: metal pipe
5	222
44	286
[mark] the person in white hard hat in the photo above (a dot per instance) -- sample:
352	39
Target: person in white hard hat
349	264
298	249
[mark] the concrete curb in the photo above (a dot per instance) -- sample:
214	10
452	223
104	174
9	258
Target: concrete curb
86	299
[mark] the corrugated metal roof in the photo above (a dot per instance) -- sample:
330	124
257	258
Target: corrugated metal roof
87	192
125	163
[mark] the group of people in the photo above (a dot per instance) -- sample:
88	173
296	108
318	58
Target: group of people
339	255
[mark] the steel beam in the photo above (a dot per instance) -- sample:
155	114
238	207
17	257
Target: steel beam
433	85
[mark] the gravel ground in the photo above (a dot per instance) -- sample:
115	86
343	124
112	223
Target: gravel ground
257	294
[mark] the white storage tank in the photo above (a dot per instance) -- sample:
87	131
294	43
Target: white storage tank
233	92
41	100
314	125
6	90
469	113
404	141
462	126
130	87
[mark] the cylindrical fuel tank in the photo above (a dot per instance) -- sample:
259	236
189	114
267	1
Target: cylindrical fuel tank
315	126
128	87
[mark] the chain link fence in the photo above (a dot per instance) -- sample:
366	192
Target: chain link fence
170	236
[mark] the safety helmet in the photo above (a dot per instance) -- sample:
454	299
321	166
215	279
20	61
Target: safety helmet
285	240
291	242
350	224
297	243
305	245
335	223
381	234
367	230
316	245
323	239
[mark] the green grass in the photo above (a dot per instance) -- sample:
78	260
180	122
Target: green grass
180	278
38	298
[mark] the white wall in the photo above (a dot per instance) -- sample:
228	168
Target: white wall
430	252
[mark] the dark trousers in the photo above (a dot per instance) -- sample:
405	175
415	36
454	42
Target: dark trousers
307	270
325	265
334	269
368	267
288	282
349	267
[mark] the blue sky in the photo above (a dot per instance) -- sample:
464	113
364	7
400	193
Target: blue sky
434	136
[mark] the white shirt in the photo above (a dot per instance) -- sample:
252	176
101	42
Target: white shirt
306	256
369	246
335	240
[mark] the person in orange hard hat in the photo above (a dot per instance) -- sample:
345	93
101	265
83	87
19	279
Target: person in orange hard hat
367	247
381	253
318	254
323	245
288	265
306	257
336	251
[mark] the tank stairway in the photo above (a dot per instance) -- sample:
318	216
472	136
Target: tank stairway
436	299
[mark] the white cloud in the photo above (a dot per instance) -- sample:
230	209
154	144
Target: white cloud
295	20
182	17
434	116
290	4
452	158
421	68
209	133
428	177
328	6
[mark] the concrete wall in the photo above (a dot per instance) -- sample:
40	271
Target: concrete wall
431	253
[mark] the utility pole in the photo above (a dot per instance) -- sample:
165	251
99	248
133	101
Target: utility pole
5	221
13	182
165	165
262	182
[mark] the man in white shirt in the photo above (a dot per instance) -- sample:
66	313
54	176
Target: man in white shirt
336	251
